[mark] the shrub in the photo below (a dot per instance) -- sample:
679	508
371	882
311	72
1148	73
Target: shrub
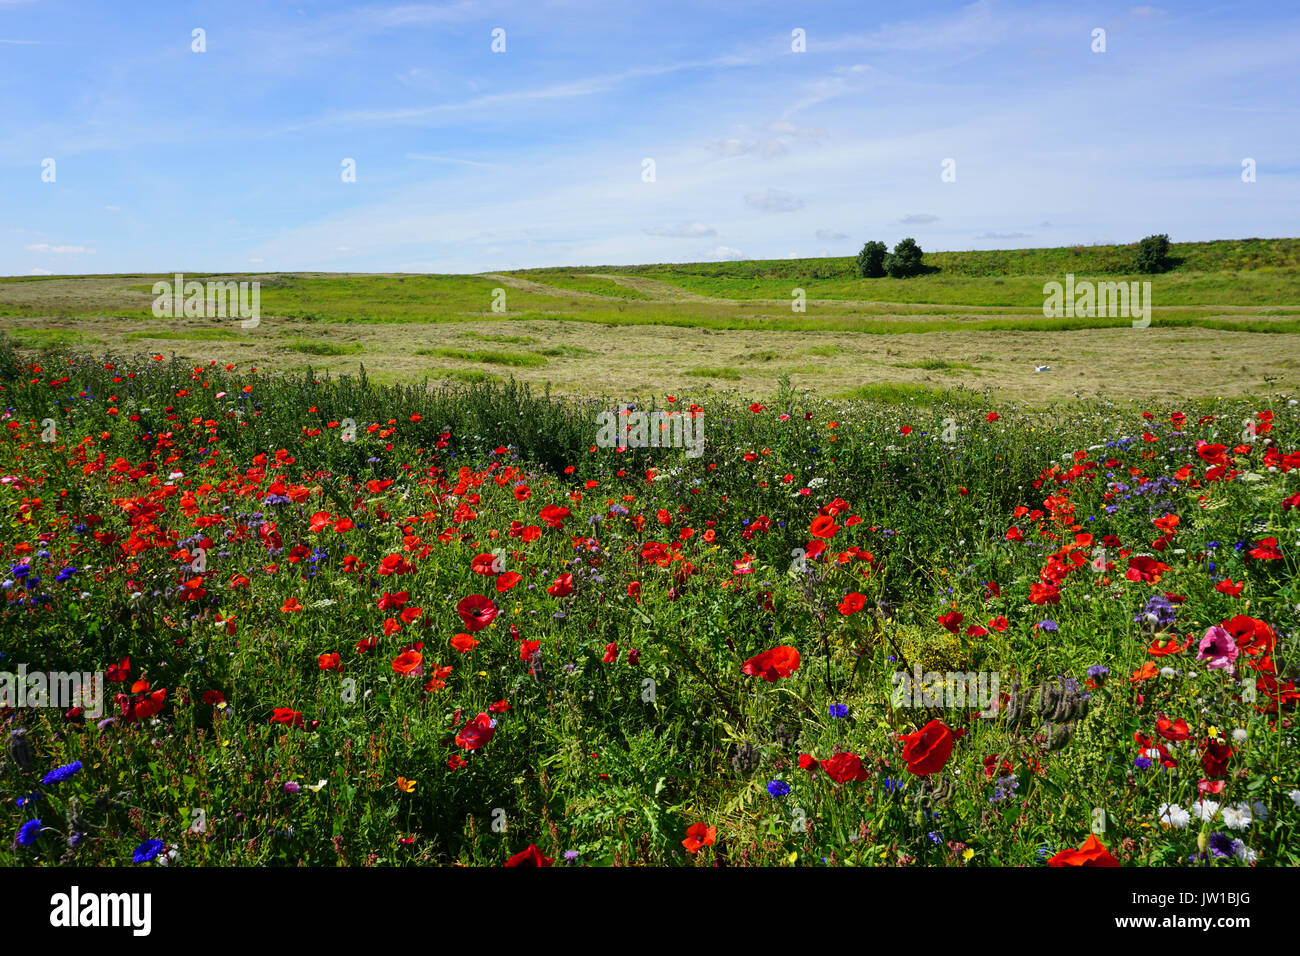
905	260
871	260
1153	254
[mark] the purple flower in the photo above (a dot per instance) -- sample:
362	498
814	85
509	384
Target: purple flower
60	774
28	832
147	850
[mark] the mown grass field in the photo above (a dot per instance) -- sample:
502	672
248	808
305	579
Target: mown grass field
1225	321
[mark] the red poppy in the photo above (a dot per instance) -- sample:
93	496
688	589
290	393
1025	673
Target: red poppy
1214	757
852	603
1251	634
611	653
698	836
562	587
407	662
927	750
1044	593
1172	729
951	621
529	857
463	643
1092	853
845	767
476	612
780	661
823	526
476	733
508	580
1142	568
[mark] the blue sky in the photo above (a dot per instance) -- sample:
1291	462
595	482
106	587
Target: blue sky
469	160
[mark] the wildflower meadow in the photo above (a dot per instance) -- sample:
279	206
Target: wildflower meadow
289	619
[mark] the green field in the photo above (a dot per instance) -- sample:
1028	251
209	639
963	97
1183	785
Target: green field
1224	321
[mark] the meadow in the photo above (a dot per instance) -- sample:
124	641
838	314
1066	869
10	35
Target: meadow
365	590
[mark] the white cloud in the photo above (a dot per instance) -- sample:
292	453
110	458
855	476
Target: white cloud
830	234
685	230
918	219
41	272
774	200
60	250
723	253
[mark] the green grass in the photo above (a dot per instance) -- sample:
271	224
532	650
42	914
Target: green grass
199	335
48	338
583	283
714	371
514	359
309	347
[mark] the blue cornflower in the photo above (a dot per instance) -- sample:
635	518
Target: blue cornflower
839	710
20	571
60	774
1142	762
778	788
30	798
147	850
935	836
1047	625
28	832
65	574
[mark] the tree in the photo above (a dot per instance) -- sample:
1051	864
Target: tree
1153	254
905	260
871	260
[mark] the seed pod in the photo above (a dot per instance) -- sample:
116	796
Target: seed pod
19	750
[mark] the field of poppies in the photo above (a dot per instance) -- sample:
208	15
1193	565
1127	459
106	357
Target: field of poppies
348	624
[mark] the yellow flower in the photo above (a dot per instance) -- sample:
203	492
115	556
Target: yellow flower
406	786
792	857
967	853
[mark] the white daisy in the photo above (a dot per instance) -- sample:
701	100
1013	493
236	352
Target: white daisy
1173	814
1238	817
1205	809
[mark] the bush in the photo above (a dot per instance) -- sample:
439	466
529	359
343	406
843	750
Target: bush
905	260
1153	254
871	260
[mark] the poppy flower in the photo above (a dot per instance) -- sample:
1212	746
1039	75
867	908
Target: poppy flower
852	603
1214	758
951	621
823	526
1172	729
529	857
562	587
780	661
507	580
1092	853
1145	569
1044	593
845	767
1251	634
476	733
291	605
407	662
1265	550
698	836
927	750
476	612
484	564
463	643
611	653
